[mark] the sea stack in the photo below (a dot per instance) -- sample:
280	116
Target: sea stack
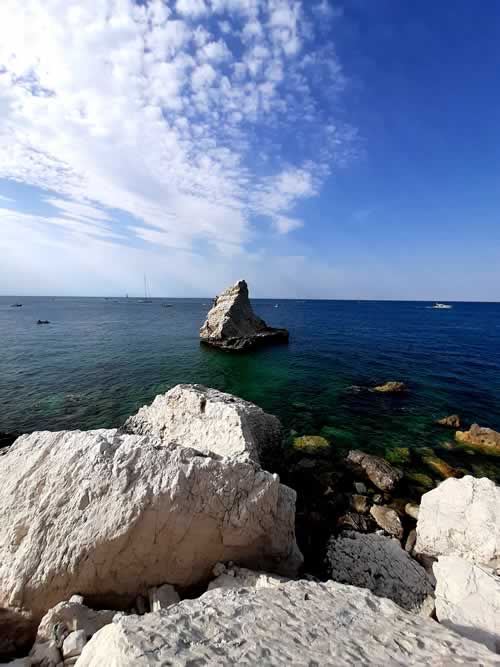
231	323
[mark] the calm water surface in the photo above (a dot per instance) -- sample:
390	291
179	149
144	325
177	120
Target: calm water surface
99	360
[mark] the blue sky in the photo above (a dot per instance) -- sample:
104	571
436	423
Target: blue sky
319	149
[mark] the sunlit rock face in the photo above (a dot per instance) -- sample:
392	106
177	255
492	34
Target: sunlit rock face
296	623
231	323
108	515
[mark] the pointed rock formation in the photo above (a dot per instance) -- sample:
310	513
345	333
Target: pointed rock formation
231	323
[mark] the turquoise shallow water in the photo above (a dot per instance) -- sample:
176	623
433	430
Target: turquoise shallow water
99	360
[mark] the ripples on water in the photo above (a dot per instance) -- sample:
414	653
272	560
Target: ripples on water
99	360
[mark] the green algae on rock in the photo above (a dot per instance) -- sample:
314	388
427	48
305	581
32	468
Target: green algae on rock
311	444
391	388
398	455
443	469
420	478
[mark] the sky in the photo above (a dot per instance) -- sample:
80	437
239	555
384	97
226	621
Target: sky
318	149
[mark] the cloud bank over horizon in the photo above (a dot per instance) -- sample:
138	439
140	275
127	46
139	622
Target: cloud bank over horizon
178	137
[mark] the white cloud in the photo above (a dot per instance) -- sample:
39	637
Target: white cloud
145	124
192	8
285	225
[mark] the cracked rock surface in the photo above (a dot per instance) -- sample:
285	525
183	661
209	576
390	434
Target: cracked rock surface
209	421
461	517
468	600
109	515
298	623
379	564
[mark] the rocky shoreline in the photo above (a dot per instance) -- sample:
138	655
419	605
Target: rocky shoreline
167	541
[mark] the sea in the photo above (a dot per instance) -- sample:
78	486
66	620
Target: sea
100	359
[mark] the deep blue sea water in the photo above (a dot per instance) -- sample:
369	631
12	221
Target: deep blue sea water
99	360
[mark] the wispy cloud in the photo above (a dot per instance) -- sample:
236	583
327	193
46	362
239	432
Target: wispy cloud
176	113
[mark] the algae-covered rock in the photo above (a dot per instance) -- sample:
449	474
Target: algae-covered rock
311	444
420	478
398	455
484	439
441	467
391	388
452	420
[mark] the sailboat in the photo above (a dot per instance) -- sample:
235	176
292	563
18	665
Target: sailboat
147	294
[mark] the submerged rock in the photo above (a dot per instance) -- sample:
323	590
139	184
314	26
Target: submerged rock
439	466
391	388
231	323
209	421
110	515
377	470
452	420
380	564
481	437
461	517
311	444
468	600
299	623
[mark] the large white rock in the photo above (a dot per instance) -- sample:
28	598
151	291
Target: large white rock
231	323
468	600
380	564
299	623
108	516
461	517
209	421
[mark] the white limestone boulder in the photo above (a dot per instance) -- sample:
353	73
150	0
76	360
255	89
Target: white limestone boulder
468	600
461	517
231	323
299	623
209	421
381	565
232	576
108	516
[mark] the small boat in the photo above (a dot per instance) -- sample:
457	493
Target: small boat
16	305
166	305
276	305
441	306
43	322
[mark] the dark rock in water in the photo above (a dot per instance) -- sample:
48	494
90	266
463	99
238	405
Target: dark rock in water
231	323
441	467
391	388
377	470
452	420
